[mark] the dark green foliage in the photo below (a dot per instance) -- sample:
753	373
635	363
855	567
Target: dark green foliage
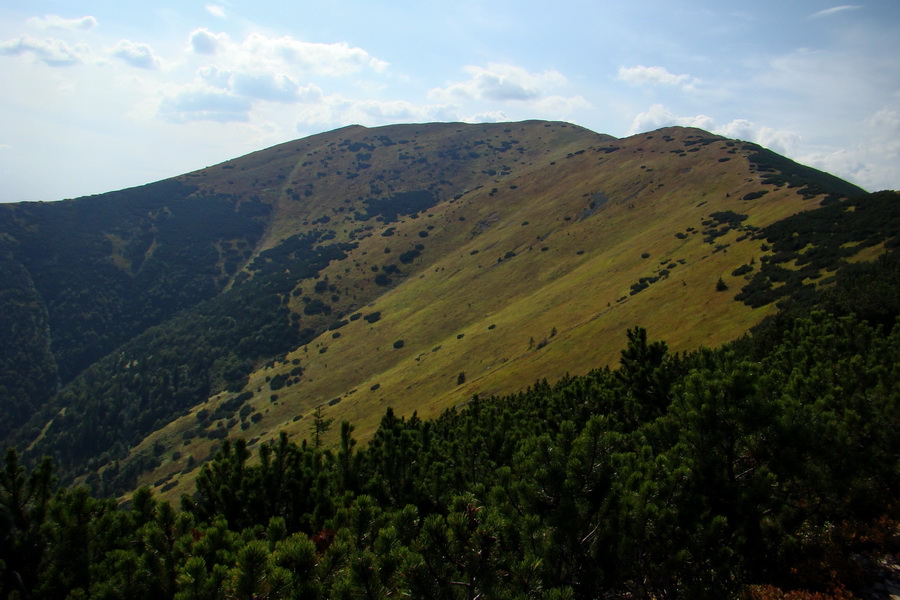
278	380
400	204
28	375
372	317
754	195
779	170
817	240
409	256
171	242
316	307
742	270
730	217
720	223
172	367
143	265
642	284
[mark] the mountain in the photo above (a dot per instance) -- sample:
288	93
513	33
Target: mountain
407	266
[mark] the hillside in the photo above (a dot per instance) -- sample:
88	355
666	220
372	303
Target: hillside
409	266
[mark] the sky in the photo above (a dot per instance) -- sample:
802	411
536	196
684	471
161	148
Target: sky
100	95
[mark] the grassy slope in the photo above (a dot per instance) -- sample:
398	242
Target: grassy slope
576	286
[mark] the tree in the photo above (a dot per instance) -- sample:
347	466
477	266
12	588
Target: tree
23	509
646	371
319	427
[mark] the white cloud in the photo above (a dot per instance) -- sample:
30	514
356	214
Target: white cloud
641	75
337	110
335	59
779	140
273	87
50	51
501	82
226	96
56	22
215	76
393	111
204	104
659	116
885	120
560	108
136	54
326	59
833	11
490	116
262	69
215	10
874	164
203	41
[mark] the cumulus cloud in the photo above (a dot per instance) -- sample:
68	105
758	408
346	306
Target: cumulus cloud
203	41
659	116
327	59
205	104
262	69
56	22
335	109
387	111
50	51
215	77
257	49
560	107
501	82
136	54
779	140
260	85
886	120
273	87
833	11
641	75
873	164
226	96
490	116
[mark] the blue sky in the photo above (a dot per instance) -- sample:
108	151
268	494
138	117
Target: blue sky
102	95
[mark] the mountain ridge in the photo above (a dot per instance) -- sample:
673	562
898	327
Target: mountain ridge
410	266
